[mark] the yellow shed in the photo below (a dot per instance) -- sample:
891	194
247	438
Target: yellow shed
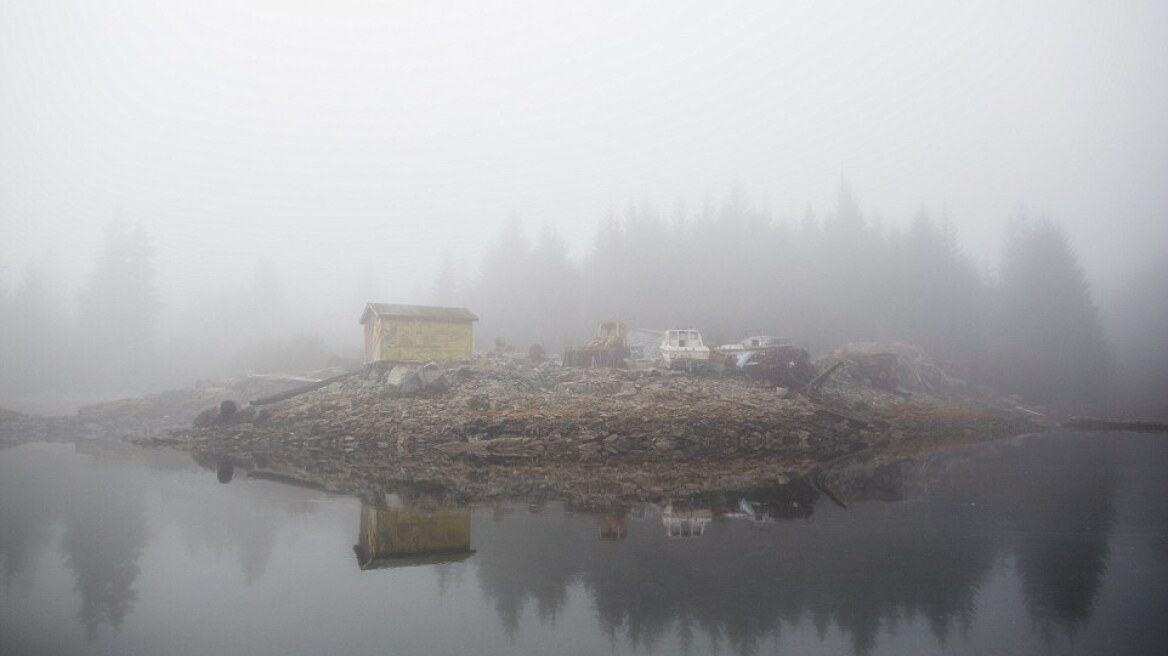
401	333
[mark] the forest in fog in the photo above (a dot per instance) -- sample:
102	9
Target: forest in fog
198	191
1031	326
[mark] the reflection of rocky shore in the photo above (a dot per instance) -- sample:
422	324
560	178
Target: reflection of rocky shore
1046	506
1061	536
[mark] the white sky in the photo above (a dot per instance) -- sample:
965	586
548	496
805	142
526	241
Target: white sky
330	137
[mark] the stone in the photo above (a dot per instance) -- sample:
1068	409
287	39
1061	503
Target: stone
432	377
403	380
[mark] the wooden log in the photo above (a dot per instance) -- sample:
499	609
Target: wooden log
1137	425
820	483
818	381
303	389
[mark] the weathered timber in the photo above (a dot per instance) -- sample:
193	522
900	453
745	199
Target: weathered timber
818	381
304	389
1138	425
820	484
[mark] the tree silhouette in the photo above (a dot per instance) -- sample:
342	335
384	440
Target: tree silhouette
935	295
105	534
1048	342
1139	313
731	271
448	284
34	336
501	286
119	306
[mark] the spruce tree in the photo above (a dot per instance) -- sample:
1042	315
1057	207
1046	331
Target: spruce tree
1048	342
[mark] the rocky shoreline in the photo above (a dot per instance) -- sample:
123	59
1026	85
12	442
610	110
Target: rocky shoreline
488	430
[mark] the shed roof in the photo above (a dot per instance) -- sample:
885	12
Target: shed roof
430	312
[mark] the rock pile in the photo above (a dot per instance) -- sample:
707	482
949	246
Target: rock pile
488	431
495	429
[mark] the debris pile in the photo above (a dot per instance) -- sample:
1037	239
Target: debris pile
783	365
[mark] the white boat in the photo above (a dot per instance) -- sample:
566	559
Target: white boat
683	349
753	343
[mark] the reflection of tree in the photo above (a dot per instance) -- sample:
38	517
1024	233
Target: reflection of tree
1062	501
862	571
24	528
30	498
518	558
740	581
221	522
105	533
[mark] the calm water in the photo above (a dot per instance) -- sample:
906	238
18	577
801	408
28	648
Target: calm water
1055	544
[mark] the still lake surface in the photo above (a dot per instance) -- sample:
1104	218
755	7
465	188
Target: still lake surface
1049	544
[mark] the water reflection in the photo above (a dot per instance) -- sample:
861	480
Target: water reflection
1059	509
1059	539
105	533
244	522
400	537
860	571
28	509
685	521
103	530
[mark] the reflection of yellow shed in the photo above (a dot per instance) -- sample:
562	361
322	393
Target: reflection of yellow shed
394	537
611	528
423	333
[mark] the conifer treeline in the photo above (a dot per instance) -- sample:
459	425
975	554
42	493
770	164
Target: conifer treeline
1031	327
731	271
105	337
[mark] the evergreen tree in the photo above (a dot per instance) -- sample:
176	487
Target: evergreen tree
1048	338
33	334
498	296
554	304
1137	317
447	286
935	297
119	306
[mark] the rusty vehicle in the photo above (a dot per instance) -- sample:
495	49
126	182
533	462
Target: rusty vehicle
609	350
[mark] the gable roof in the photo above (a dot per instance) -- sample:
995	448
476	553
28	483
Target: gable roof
430	312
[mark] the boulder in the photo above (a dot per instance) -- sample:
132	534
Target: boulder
403	380
432	377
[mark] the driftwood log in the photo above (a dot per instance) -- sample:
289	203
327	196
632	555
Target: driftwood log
304	389
1137	425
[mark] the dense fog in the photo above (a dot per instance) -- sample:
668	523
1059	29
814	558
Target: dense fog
199	191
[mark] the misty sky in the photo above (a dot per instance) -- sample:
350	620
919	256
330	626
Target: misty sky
327	138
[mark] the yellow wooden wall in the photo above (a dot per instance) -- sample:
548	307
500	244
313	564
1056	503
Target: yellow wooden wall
416	339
